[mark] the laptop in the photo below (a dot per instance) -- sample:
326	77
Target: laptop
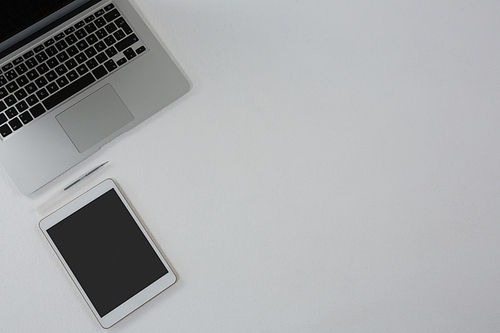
74	74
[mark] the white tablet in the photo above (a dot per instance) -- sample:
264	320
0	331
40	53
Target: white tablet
107	252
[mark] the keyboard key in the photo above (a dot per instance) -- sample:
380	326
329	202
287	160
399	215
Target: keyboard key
32	100
129	53
41	57
69	91
42	93
28	54
128	30
71	63
82	69
15	124
7	67
61	69
41	81
22	80
89	18
90	52
101	57
18	61
121	61
49	42
21	106
39	48
11	75
92	63
80	33
25	117
100	22
5	130
121	23
72	75
2	106
140	50
111	51
52	88
110	40
20	94
119	34
30	88
110	16
100	46
71	39
82	45
51	76
109	7
62	81
10	100
110	27
69	30
21	69
99	12
61	45
12	86
72	51
51	51
110	65
79	24
3	80
101	33
99	72
124	43
11	113
91	39
52	62
3	118
62	57
31	62
90	28
59	36
3	92
81	57
42	69
37	110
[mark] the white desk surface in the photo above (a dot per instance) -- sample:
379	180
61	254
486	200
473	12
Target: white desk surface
335	168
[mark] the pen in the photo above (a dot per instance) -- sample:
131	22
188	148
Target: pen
56	197
84	176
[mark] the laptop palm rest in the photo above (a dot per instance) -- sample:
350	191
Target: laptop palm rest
94	118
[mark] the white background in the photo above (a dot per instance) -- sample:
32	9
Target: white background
335	168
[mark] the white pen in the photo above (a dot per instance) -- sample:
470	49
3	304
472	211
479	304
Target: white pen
60	194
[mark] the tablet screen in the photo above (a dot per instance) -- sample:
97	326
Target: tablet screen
107	252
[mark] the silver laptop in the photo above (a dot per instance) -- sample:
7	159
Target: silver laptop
75	74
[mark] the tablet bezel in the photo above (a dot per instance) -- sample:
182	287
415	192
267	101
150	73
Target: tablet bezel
137	300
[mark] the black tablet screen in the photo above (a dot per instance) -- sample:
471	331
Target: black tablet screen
107	252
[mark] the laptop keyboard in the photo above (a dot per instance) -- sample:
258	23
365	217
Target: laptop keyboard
63	65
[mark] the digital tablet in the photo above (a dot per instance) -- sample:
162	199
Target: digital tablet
108	254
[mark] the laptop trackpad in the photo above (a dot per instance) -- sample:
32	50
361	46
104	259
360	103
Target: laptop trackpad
94	118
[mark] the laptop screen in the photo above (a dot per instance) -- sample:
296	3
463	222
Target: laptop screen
22	19
20	14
